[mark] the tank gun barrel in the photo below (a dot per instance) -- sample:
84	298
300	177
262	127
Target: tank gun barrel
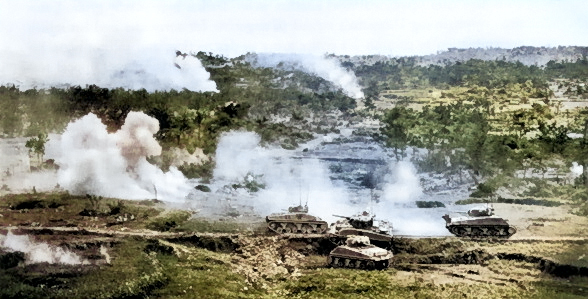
348	218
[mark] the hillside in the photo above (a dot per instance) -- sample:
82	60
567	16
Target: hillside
124	193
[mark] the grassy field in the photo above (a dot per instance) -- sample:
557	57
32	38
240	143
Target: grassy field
258	265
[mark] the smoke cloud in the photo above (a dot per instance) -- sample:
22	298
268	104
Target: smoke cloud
39	252
93	161
327	68
110	44
400	192
288	180
404	185
152	69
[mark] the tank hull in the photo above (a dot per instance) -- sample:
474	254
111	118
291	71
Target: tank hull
481	227
359	258
296	224
361	225
378	239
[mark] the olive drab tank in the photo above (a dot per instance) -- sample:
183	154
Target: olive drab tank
296	221
379	232
479	223
358	253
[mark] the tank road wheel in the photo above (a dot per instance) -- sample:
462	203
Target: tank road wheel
280	226
348	263
335	262
306	229
454	230
476	232
459	231
340	263
293	228
303	229
330	261
273	226
493	232
384	264
320	228
484	231
286	230
312	227
370	265
511	231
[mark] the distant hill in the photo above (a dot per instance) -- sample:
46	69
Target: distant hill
526	55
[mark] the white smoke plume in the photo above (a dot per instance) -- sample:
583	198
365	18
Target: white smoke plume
288	180
402	189
404	185
106	43
39	252
152	69
93	161
328	68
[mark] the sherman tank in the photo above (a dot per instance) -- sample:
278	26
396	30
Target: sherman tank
358	253
479	223
364	224
296	221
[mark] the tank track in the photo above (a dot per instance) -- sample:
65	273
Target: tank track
346	262
482	231
310	227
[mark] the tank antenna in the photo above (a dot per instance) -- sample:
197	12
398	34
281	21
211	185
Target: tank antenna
155	189
372	202
299	193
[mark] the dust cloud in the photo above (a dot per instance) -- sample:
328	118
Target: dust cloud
36	252
93	161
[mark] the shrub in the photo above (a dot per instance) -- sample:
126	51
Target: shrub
484	190
169	221
430	204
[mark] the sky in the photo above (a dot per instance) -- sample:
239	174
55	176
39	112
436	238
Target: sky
232	28
132	44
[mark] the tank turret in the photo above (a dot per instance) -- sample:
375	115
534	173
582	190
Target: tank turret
360	254
479	222
296	221
379	232
363	220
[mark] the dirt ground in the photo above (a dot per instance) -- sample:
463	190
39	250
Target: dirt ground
543	223
550	246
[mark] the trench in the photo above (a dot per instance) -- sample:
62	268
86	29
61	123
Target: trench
546	265
408	252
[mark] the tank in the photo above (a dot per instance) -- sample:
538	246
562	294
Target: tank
379	232
479	223
296	221
358	253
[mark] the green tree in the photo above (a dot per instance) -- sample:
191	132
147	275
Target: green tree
37	145
397	122
371	94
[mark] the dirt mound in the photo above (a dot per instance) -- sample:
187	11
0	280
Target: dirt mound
264	258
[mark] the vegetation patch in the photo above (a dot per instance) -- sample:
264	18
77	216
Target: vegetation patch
168	221
429	204
518	201
204	225
11	259
202	188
